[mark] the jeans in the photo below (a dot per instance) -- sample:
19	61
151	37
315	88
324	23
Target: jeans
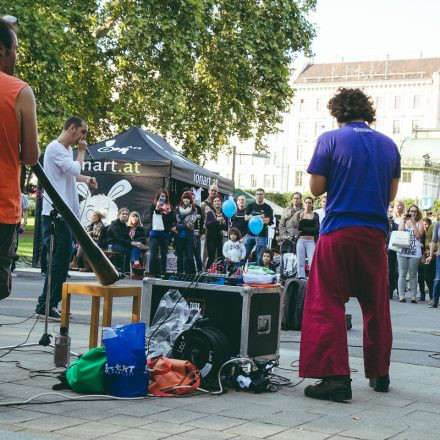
436	289
430	270
392	271
304	248
198	253
185	255
260	242
62	250
214	246
116	247
7	236
157	243
411	265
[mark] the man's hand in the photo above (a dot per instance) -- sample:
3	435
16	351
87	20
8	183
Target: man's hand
82	145
93	184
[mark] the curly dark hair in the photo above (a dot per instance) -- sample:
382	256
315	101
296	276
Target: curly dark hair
351	104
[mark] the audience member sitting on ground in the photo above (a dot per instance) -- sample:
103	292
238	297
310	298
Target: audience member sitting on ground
117	237
138	238
162	223
94	229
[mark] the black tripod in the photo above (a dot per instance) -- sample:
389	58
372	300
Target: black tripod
45	338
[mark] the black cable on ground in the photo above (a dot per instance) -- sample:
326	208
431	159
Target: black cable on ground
17	323
22	343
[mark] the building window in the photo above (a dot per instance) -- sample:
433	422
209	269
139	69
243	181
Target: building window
298	178
378	102
240	180
253	181
300	128
299	152
274	158
397	102
274	181
415	125
406	177
416	101
318	104
266	181
241	160
267	159
301	104
396	127
319	127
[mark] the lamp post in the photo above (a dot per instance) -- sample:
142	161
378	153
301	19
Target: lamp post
234	153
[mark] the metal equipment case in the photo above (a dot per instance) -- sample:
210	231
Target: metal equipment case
249	316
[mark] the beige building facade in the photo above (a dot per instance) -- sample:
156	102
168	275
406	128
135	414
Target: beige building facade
406	94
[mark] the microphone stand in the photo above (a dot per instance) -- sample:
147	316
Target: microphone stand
45	338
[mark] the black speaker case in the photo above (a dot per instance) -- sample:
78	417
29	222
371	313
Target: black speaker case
250	316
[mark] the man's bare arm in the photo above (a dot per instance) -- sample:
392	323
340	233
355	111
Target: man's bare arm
393	189
27	114
318	184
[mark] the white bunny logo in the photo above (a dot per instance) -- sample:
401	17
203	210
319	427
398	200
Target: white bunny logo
100	202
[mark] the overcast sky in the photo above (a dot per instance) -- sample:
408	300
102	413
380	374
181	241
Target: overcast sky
370	30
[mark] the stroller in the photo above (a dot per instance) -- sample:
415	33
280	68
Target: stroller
287	260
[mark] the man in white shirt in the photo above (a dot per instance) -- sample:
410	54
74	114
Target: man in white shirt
63	172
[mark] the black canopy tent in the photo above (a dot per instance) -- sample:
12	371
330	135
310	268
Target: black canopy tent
132	166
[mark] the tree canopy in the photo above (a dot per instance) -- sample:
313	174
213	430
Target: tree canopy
195	71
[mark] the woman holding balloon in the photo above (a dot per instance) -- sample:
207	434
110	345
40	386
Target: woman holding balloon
215	223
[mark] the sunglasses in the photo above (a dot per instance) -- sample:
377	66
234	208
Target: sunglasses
10	19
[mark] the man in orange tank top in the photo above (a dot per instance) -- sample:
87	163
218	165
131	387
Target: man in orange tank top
18	143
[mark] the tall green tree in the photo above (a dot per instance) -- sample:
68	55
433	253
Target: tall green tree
196	71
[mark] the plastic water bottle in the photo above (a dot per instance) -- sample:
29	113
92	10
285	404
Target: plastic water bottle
61	354
110	247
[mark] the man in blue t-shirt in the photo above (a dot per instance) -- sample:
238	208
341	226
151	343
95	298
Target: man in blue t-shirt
359	168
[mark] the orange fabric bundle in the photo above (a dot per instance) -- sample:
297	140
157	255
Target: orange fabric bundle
171	377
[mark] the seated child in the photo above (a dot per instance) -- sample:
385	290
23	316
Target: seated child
233	250
267	260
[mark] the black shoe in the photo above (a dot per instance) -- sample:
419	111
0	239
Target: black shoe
54	314
402	300
336	388
433	305
381	384
414	301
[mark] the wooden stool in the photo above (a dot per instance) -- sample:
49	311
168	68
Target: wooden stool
96	291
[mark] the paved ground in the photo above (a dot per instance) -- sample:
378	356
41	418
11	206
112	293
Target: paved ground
411	410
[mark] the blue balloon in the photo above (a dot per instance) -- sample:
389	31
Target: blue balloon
256	225
229	208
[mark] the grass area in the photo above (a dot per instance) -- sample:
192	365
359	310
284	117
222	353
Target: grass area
26	240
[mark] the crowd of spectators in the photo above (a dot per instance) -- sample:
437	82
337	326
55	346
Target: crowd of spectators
201	234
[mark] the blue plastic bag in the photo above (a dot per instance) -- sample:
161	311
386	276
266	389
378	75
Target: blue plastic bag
126	368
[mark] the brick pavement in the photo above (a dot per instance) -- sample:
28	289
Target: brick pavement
409	411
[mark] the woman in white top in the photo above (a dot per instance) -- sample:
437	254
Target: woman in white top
399	211
409	258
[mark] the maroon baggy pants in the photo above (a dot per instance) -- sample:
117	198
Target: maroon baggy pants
349	262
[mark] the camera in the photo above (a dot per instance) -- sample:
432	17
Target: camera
407	215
